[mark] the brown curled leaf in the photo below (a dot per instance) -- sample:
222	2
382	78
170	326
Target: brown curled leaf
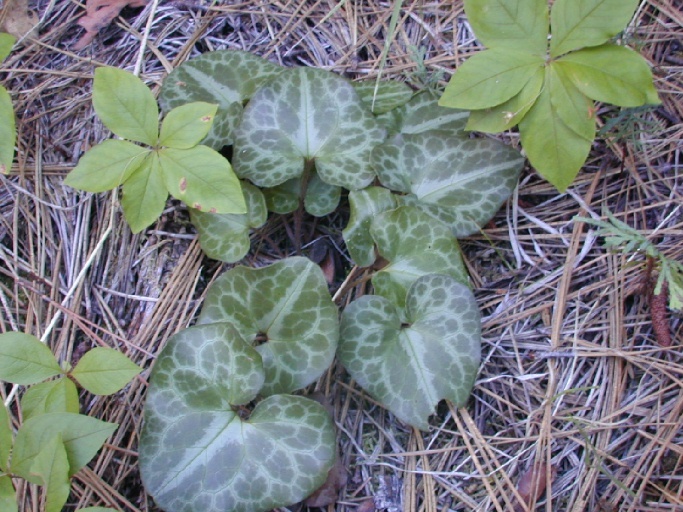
99	14
532	484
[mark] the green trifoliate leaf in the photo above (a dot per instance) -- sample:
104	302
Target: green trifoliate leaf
306	114
82	436
490	78
186	126
510	24
409	366
6	43
104	371
51	467
8	496
556	149
125	105
611	74
287	309
461	181
365	205
225	237
415	244
227	78
506	115
25	360
106	166
198	458
383	96
144	194
201	178
58	395
582	23
423	113
6	438
8	132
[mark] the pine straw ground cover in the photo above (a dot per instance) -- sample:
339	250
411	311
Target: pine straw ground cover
574	390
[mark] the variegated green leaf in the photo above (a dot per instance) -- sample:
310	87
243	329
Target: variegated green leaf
283	198
321	198
306	114
415	245
383	96
611	74
286	310
461	181
227	78
583	23
490	78
506	115
513	24
365	205
225	236
423	113
197	453
58	395
201	178
409	361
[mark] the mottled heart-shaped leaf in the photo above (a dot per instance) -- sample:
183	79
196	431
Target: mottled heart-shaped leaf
383	96
227	78
125	105
306	115
423	113
409	366
512	24
320	198
197	453
286	310
461	181
225	236
365	205
283	198
415	244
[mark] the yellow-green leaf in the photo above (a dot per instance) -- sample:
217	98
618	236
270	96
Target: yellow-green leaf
510	24
611	74
144	195
125	105
490	78
555	150
8	132
202	178
583	23
574	108
51	467
104	371
185	126
6	438
25	360
106	166
58	395
6	43
506	115
8	498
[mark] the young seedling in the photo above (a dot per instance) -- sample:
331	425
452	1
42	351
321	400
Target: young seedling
543	69
171	160
54	441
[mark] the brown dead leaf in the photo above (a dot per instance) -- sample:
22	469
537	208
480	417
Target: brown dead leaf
99	14
17	19
328	494
532	484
